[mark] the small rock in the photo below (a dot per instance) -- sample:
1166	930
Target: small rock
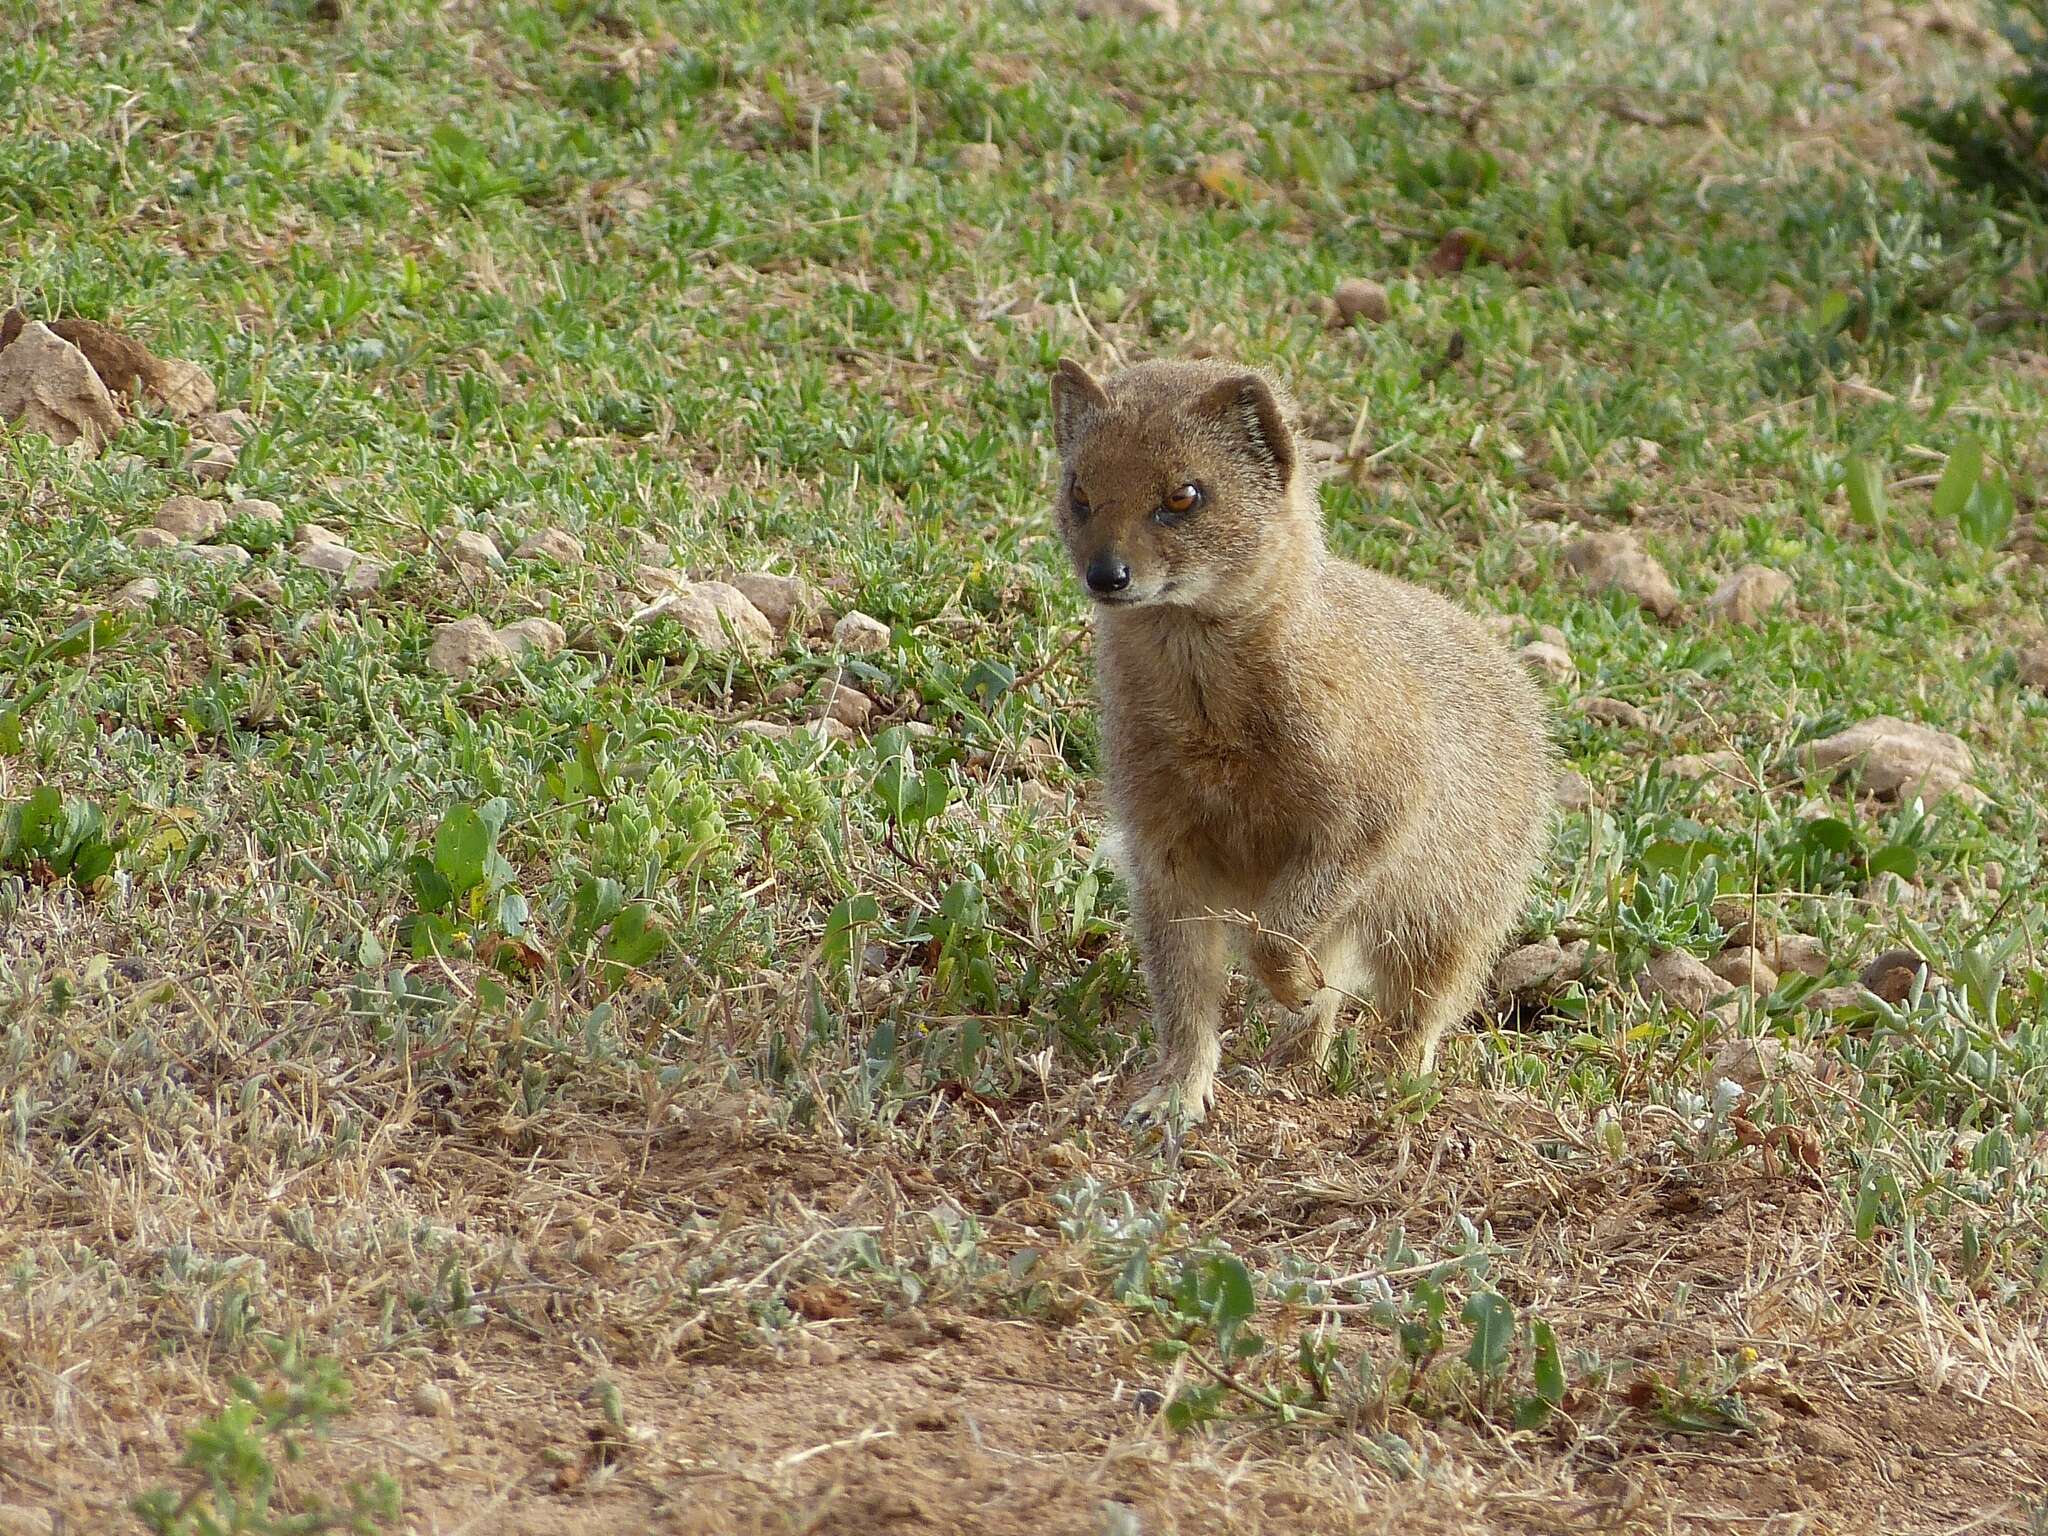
152	538
884	78
309	534
1892	974
979	160
260	587
137	595
1834	999
773	730
184	389
231	427
1709	765
1614	712
828	729
717	616
1573	792
48	386
121	362
363	577
474	551
458	649
1040	798
211	462
1531	971
1749	595
1746	928
1752	1064
215	554
533	637
432	1399
1744	967
191	517
1896	759
551	544
1164	13
2033	665
326	556
819	1350
1992	874
839	699
783	600
1360	299
1799	952
1614	562
1890	889
257	513
1681	979
859	635
1546	660
653	581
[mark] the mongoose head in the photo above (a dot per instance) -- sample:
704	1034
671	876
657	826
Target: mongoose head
1179	484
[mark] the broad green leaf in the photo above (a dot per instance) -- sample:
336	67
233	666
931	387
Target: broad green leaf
1867	499
1492	1322
461	848
1550	1383
1965	462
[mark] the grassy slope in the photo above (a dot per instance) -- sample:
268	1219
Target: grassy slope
706	285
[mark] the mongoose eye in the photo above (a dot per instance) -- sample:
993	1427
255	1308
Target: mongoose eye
1179	503
1082	508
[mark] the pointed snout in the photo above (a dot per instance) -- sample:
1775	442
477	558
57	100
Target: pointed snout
1108	573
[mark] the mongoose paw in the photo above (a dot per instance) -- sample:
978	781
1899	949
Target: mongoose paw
1284	970
1175	1100
1306	1039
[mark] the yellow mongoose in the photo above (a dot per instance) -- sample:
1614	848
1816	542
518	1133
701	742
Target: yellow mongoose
1352	763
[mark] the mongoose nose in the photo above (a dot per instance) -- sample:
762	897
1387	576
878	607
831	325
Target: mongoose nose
1108	573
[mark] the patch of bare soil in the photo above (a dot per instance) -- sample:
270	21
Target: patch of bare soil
647	1260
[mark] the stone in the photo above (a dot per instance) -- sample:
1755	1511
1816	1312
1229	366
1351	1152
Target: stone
184	389
551	544
460	648
256	513
1835	999
211	462
1162	13
1896	759
979	160
121	362
1708	765
191	517
432	1399
1360	300
1744	966
1799	952
48	386
772	730
783	600
652	581
152	538
1546	660
231	427
1614	562
828	729
1892	974
2033	665
137	595
717	616
215	554
309	534
1573	792
1751	1064
1532	970
842	701
1614	712
260	587
474	551
1680	979
532	637
1890	889
859	635
1749	595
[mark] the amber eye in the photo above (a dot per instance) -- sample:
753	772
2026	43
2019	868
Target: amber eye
1081	506
1186	499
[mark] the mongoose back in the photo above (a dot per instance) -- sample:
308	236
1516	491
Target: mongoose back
1339	777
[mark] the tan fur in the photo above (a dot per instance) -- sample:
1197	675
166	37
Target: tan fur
1350	761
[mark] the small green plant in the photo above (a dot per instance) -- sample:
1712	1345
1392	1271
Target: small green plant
466	892
1998	143
237	1461
52	836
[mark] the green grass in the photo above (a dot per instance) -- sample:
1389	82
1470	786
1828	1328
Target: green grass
672	278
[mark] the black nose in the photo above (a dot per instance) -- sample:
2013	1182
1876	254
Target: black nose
1108	573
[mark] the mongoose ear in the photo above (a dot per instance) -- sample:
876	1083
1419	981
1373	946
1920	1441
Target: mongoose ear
1075	397
1244	404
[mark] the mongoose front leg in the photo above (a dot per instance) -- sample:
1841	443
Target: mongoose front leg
1306	901
1186	966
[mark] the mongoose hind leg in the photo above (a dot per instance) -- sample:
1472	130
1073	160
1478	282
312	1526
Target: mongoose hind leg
1308	1034
1427	997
